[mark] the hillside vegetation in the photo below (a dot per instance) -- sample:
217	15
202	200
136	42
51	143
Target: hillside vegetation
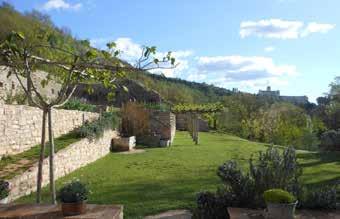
176	90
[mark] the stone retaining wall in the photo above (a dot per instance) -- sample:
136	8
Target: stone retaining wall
76	155
162	124
10	86
20	126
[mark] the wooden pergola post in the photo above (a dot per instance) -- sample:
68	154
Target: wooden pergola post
196	128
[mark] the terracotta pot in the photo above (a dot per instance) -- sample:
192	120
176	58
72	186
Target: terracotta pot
71	209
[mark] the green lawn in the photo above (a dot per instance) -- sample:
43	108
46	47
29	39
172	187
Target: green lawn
169	178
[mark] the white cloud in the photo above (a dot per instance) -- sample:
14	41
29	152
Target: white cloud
269	49
272	28
238	68
181	57
244	72
317	28
60	4
281	29
131	52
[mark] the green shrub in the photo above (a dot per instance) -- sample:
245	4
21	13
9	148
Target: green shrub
4	189
237	184
210	205
271	169
330	140
308	141
278	196
319	198
94	130
76	104
72	192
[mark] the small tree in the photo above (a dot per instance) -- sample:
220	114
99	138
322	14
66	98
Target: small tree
69	67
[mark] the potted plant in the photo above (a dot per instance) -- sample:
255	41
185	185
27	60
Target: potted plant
4	192
73	197
280	204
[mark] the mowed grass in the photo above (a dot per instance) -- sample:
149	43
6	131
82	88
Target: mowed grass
169	178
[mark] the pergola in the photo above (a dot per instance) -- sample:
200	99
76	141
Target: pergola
194	111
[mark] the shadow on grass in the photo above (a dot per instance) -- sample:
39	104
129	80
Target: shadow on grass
317	158
143	198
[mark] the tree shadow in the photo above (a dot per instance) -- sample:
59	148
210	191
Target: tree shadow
144	198
317	158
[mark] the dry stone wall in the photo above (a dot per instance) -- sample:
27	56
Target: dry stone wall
20	126
10	86
76	155
163	124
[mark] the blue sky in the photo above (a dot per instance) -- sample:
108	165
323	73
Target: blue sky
292	45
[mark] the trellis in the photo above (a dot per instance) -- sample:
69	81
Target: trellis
193	112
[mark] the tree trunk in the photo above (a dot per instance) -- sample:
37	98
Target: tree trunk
41	158
29	89
50	134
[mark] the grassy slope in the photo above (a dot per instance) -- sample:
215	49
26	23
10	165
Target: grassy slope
169	178
31	156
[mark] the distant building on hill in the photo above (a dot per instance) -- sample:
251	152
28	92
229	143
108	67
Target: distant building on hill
276	95
269	92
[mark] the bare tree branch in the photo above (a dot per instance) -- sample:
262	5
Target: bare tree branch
66	84
26	91
29	78
67	98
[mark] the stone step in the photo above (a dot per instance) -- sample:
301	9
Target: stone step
173	214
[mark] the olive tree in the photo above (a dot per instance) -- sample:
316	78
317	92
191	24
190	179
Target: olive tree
69	67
